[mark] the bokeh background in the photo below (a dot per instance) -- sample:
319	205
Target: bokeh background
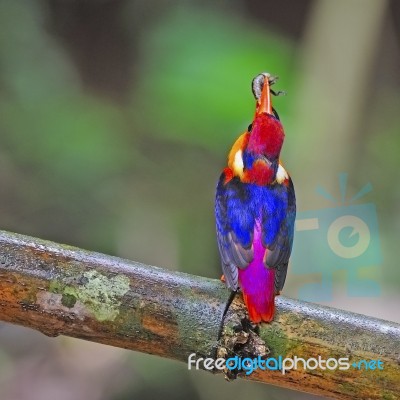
115	121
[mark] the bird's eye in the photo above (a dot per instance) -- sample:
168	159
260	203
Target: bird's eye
249	128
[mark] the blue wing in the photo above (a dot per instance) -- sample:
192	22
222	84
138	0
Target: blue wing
235	227
237	206
280	246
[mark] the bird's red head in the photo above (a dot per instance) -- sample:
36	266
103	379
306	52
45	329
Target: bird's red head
266	136
254	157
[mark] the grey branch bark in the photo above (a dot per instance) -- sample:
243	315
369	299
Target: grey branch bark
61	290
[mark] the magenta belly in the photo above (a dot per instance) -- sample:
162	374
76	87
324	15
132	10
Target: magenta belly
257	283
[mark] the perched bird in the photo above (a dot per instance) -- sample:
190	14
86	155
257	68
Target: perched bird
255	209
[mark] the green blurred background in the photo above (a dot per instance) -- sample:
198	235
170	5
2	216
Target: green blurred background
115	121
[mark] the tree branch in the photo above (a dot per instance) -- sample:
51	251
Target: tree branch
58	289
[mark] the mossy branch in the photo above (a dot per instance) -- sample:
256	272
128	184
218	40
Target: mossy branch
61	290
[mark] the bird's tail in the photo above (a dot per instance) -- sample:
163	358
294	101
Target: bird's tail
258	314
259	297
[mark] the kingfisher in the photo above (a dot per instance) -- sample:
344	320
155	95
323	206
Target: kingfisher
255	209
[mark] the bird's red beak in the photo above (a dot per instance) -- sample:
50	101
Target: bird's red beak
264	105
